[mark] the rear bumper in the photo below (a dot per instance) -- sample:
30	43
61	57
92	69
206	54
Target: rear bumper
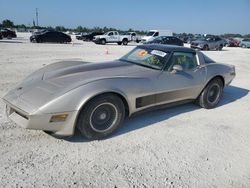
42	121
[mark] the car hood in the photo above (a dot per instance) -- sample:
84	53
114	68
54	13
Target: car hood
59	78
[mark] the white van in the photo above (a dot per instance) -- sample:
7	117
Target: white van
155	33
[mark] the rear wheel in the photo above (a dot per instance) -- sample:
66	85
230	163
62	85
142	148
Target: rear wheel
220	47
211	95
101	116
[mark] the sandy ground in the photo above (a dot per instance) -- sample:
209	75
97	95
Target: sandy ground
184	146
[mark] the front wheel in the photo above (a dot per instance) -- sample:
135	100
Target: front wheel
211	95
243	46
206	47
103	41
101	116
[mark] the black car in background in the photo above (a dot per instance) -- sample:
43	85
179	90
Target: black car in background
166	40
6	33
90	36
50	36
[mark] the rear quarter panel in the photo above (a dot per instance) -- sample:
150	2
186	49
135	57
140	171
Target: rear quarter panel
217	69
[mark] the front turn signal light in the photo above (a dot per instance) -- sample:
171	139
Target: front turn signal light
58	118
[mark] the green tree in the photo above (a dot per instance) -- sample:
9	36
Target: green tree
7	23
60	28
79	29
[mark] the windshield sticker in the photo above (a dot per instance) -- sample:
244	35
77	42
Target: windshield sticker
142	53
159	53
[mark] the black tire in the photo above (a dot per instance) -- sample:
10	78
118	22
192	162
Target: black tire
211	95
103	41
101	116
119	43
125	41
220	47
205	47
33	41
39	40
9	37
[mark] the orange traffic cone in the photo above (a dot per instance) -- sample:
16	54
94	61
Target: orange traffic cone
106	51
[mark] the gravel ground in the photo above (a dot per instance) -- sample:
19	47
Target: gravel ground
184	146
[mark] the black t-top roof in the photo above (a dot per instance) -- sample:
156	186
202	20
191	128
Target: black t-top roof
167	48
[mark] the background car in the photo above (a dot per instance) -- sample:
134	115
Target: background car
245	43
232	42
166	40
90	36
6	33
50	36
80	35
208	43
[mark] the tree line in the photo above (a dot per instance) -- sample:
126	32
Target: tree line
10	24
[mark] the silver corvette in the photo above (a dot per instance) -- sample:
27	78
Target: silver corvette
96	97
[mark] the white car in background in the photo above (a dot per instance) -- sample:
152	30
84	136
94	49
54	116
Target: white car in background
111	37
155	33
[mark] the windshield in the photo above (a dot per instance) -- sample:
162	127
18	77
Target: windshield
151	33
154	59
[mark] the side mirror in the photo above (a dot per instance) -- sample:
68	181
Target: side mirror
177	68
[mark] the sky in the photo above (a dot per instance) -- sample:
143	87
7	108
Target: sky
190	16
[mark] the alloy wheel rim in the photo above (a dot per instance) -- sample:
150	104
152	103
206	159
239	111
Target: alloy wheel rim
214	93
103	117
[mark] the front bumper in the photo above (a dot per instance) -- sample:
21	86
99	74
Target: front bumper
42	121
196	46
97	40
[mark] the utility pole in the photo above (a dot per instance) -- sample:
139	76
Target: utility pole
36	16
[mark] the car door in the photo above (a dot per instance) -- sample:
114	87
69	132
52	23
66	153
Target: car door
49	37
171	86
214	43
110	37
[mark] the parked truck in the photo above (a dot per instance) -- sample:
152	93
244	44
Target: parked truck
156	33
112	37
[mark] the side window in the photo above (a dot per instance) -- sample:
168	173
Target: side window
156	34
166	40
186	60
49	34
110	34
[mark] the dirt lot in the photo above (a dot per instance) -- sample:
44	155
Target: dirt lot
184	146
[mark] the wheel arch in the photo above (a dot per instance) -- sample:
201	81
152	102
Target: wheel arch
121	96
212	78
